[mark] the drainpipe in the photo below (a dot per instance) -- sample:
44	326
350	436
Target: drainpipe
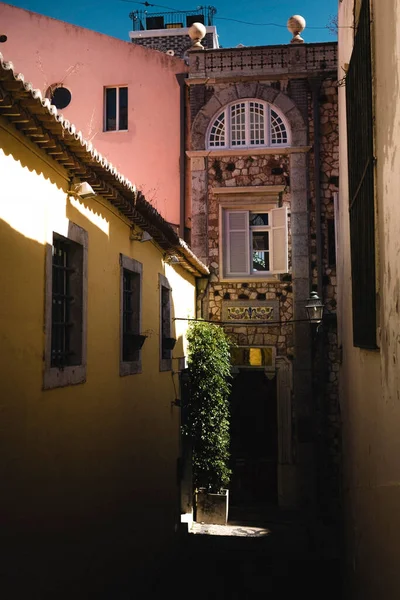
182	162
315	87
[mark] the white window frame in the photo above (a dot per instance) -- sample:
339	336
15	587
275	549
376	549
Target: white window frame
229	207
117	88
54	377
247	145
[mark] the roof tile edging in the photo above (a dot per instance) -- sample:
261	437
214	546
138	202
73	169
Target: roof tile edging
140	204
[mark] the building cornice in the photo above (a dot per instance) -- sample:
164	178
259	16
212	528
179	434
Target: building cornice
272	190
248	151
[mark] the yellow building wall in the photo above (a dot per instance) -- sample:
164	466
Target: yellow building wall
103	453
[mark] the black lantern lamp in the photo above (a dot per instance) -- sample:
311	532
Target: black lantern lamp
315	308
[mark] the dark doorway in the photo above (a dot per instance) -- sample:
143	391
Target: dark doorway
254	439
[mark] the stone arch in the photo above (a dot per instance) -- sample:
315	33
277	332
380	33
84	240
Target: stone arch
238	91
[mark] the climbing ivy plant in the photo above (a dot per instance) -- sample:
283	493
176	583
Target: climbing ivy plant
208	405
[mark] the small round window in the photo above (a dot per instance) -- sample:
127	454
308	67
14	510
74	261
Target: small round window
59	95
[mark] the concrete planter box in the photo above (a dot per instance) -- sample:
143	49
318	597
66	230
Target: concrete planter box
212	508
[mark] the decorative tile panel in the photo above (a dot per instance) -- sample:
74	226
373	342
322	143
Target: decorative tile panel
245	311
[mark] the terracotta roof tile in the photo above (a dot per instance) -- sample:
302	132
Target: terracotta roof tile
61	140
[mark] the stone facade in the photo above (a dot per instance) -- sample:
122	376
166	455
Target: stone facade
300	83
328	412
237	171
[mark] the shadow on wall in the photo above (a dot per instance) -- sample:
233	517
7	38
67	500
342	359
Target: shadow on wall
83	491
388	134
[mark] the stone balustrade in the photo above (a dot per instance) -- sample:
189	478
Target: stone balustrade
263	61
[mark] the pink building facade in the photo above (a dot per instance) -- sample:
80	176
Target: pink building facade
124	98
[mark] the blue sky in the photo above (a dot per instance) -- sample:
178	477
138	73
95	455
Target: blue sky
111	17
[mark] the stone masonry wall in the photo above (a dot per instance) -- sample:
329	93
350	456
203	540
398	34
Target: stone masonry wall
329	409
258	170
239	171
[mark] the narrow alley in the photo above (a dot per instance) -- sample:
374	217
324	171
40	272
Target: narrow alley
242	561
238	561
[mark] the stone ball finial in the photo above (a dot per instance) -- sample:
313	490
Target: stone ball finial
296	25
197	31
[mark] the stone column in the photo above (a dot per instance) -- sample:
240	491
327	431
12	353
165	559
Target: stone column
302	364
287	496
199	236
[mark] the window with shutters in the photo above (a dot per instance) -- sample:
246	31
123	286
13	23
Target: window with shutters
248	124
254	242
65	308
131	315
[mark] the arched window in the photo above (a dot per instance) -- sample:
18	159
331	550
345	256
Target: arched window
248	124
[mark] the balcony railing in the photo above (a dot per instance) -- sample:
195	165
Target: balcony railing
142	20
263	60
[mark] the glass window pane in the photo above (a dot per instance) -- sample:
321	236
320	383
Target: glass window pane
238	127
111	109
278	129
260	251
258	219
260	240
217	133
260	261
123	108
256	123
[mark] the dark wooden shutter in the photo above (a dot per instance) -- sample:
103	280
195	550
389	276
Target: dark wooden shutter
361	184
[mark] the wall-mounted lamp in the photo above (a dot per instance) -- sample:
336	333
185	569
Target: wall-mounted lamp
140	236
83	190
314	308
171	259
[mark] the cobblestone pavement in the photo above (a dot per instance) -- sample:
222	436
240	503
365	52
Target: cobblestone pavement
273	557
245	561
230	530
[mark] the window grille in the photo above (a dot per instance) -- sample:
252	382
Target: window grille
130	315
165	323
66	315
131	337
165	320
